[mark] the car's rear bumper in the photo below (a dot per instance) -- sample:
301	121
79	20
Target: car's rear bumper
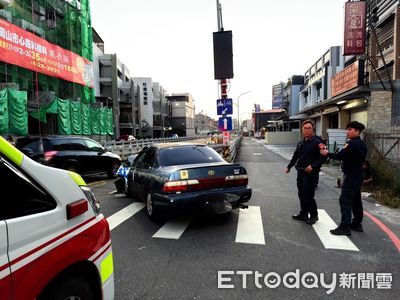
191	201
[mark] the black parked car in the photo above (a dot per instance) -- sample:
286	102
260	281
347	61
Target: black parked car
180	177
79	154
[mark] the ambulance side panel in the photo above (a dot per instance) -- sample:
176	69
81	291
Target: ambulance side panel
5	278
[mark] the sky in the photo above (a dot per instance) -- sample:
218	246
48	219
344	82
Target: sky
171	41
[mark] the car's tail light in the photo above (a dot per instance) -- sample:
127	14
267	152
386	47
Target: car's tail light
92	199
178	185
48	155
242	179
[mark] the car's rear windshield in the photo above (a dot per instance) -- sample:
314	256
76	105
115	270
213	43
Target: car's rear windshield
188	155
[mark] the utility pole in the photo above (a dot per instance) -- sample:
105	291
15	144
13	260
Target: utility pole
219	16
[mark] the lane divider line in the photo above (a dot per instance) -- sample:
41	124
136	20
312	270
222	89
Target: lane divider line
124	214
323	226
393	237
173	229
250	227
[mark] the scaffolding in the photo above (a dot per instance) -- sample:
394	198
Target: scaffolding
60	22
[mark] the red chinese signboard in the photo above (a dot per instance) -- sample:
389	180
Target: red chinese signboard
24	49
354	27
345	80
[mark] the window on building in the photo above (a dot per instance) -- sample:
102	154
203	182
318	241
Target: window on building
144	84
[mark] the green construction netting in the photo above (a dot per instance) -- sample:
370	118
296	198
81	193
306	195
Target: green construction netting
64	117
95	116
110	122
13	113
3	112
87	37
86	120
17	112
77	118
103	121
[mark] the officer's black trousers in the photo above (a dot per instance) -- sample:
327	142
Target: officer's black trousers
306	183
350	200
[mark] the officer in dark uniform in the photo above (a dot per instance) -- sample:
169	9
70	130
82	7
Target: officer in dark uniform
352	156
307	161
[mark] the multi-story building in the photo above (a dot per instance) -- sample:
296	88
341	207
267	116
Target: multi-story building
204	124
278	94
317	90
368	88
114	88
183	119
48	57
291	95
145	102
383	64
161	113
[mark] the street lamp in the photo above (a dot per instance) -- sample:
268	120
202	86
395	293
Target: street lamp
238	108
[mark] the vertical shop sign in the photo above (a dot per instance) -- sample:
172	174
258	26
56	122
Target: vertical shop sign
354	27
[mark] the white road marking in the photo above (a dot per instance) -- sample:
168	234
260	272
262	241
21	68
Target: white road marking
96	184
257	154
250	228
330	241
113	192
124	214
173	229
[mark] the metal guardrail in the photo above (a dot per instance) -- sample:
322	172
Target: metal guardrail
126	148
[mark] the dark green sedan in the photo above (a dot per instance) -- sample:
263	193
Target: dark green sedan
178	178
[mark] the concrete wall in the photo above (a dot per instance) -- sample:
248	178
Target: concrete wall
282	137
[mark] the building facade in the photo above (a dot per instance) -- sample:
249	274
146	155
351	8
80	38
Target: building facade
183	114
278	95
291	95
204	124
47	30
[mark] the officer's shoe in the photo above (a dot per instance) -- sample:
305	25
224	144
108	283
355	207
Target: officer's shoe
300	217
356	227
312	220
341	231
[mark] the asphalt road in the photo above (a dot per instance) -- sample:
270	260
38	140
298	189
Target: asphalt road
247	254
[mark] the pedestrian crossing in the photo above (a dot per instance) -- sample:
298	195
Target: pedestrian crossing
250	228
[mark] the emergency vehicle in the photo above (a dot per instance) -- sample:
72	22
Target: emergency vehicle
54	242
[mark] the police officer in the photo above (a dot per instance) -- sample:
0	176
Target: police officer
307	161
352	156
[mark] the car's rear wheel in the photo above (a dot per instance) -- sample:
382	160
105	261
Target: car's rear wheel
112	173
152	210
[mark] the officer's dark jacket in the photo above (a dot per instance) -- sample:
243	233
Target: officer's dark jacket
352	155
307	153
